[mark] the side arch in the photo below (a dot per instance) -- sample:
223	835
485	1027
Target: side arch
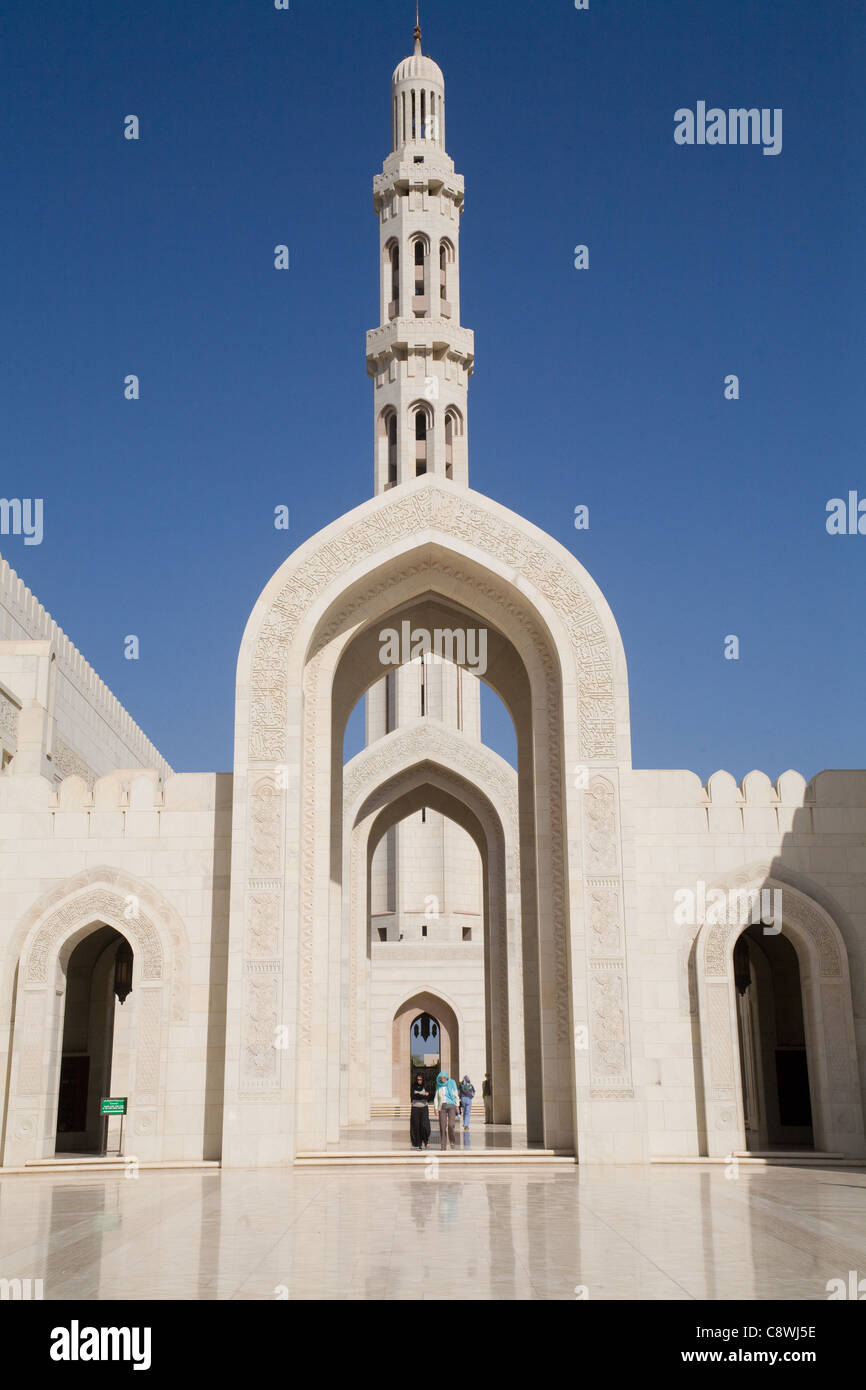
49	933
828	1015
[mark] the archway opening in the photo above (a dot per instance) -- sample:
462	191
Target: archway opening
424	1051
501	640
96	1052
774	1065
429	1011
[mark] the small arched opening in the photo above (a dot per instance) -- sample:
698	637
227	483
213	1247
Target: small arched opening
96	1054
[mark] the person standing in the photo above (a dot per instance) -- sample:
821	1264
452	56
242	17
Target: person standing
445	1106
419	1122
487	1096
467	1091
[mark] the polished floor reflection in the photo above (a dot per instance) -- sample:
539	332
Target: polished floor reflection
601	1233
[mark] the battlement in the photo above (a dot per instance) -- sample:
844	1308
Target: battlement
22	616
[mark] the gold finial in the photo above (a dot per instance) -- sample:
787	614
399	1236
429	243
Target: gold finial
417	26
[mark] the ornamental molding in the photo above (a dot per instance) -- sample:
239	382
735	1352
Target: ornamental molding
800	915
109	896
437	744
458	516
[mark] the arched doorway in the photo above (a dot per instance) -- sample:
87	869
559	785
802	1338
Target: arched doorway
774	1068
95	1051
821	990
436	1013
425	1058
111	907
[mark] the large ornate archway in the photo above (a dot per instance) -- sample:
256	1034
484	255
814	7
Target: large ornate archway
309	652
831	1047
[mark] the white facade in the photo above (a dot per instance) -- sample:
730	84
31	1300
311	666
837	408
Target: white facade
616	979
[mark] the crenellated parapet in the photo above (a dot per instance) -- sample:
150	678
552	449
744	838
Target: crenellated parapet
756	804
127	803
88	716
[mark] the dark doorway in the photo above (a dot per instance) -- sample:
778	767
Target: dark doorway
98	975
773	1061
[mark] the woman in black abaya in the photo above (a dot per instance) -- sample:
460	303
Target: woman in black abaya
419	1124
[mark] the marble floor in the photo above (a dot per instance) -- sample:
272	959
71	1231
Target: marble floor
603	1233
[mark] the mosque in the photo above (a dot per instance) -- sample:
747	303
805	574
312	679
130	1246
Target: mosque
646	966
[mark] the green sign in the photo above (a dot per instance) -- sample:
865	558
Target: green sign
116	1106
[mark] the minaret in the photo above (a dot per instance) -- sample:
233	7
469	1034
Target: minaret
425	881
420	358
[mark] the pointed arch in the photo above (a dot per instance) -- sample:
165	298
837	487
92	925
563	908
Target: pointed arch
56	923
310	650
837	1107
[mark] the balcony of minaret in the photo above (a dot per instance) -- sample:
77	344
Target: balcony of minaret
403	338
435	176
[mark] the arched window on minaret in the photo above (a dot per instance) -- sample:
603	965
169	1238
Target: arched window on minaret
420	302
453	440
392	448
423	427
423	115
395	279
387	447
446	257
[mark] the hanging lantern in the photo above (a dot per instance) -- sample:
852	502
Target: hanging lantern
123	971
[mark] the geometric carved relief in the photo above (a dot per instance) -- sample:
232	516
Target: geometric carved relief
94	905
797	912
261	1013
603	920
608	1025
599	806
263	927
462	518
265	826
147	1046
721	1042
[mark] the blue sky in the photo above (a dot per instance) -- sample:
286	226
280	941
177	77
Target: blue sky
601	387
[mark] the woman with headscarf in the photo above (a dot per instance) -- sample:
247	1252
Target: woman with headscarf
419	1123
445	1105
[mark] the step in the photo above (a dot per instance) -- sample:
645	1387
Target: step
380	1111
104	1165
769	1160
389	1158
786	1153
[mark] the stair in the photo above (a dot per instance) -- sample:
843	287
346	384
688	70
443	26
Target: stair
771	1158
401	1110
92	1163
388	1158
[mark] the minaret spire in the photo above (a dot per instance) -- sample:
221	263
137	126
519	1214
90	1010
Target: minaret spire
420	357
